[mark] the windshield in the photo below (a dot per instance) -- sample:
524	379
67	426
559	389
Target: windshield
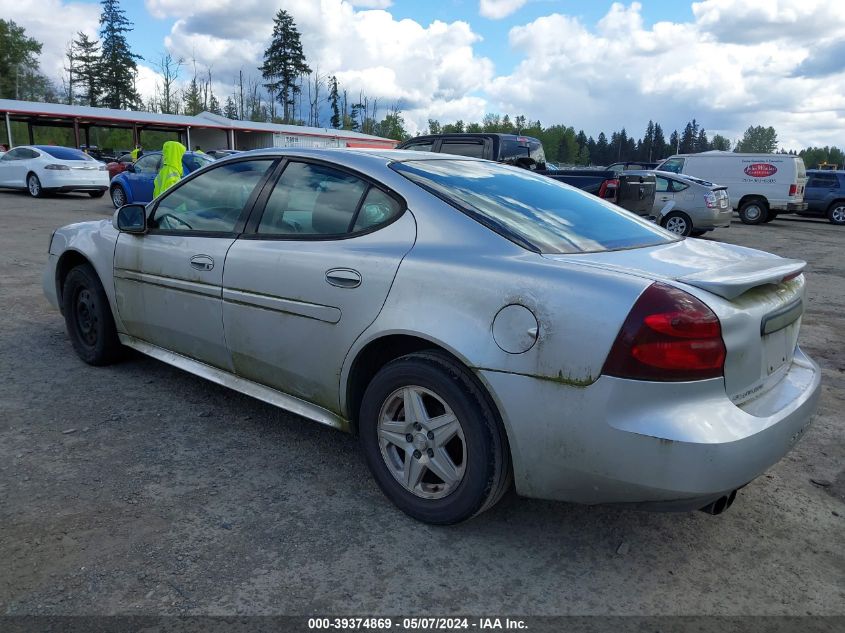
534	211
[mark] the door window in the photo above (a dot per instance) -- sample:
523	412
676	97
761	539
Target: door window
424	146
376	209
147	164
211	202
312	200
14	154
679	186
662	185
823	181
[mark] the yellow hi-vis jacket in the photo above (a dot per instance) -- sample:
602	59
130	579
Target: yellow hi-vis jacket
171	167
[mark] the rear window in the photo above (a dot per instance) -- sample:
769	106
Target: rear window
527	152
536	212
65	153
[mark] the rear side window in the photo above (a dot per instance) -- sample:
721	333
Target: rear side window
823	180
312	200
425	146
148	163
536	212
473	149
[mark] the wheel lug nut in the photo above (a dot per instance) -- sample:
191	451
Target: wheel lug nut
418	426
430	453
409	437
417	454
430	435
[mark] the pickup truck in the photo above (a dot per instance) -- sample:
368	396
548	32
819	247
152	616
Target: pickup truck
632	192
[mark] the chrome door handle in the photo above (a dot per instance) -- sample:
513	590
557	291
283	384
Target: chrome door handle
202	262
343	277
665	199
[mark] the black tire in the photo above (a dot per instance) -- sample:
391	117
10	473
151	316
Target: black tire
118	196
677	222
836	213
697	233
88	317
33	186
754	211
486	469
771	215
97	194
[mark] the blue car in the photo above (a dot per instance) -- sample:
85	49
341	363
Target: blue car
135	185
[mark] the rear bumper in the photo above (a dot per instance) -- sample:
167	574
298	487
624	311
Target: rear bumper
713	219
794	207
671	446
74	180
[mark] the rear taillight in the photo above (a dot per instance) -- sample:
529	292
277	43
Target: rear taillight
793	190
669	335
710	200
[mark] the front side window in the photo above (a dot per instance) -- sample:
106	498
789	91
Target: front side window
312	200
147	164
211	202
534	211
12	154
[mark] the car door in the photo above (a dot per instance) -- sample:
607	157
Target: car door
142	177
8	164
168	281
663	194
820	190
312	277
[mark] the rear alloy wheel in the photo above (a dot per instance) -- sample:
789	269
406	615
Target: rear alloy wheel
753	212
88	317
118	196
33	185
836	213
677	222
432	440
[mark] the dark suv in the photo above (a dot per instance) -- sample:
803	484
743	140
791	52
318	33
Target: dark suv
825	195
522	151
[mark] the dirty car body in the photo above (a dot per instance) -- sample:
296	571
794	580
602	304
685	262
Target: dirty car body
617	362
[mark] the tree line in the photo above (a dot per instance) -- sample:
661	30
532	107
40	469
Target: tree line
287	89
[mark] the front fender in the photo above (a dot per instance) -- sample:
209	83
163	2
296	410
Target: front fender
95	242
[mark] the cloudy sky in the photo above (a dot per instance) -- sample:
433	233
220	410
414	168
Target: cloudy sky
595	65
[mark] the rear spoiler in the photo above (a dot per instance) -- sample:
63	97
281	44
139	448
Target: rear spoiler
735	279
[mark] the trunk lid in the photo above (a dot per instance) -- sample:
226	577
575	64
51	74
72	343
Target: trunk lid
758	297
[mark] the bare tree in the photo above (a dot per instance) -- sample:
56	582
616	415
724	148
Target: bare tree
67	84
169	68
315	82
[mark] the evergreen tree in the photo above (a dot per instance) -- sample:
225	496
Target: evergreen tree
284	63
230	111
214	105
660	151
434	126
720	143
18	60
602	151
192	98
334	102
674	143
701	143
758	139
88	69
689	137
118	61
646	149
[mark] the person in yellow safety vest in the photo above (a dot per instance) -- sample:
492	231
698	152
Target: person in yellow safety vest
137	152
171	167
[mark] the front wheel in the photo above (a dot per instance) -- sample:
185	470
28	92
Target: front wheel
836	213
432	439
753	212
88	317
33	185
678	223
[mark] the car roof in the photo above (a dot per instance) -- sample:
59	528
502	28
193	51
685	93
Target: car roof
374	154
826	171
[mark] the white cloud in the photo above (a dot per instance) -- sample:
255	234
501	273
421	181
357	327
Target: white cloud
498	9
621	73
371	4
53	23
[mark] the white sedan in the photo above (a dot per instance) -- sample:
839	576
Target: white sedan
45	168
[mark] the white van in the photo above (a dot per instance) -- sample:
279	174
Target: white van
759	185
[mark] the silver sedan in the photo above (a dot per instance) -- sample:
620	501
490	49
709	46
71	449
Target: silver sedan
695	206
476	325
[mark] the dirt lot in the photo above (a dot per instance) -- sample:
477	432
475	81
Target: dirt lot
141	489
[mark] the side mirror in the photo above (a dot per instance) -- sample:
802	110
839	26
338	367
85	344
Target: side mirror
130	168
131	218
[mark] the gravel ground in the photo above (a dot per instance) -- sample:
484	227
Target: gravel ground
140	489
